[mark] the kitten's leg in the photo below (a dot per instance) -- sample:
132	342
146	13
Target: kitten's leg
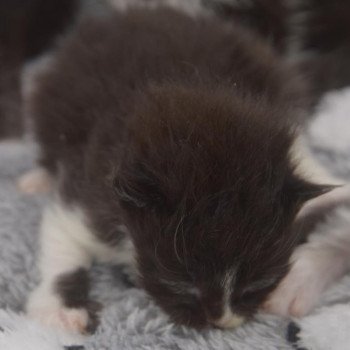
61	299
315	265
37	180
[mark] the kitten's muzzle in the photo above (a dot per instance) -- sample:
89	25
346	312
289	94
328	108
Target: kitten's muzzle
228	320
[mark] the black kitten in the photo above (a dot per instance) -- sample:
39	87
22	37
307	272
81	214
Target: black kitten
172	141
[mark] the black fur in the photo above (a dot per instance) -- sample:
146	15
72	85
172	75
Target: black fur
180	129
293	331
74	288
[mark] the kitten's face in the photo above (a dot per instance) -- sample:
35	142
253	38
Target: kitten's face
213	263
209	197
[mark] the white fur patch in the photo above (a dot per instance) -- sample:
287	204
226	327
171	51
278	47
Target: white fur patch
227	285
46	307
67	244
228	318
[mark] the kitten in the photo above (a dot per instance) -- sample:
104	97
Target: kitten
173	144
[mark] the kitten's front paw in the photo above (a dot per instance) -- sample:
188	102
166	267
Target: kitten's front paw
49	310
71	320
35	181
301	289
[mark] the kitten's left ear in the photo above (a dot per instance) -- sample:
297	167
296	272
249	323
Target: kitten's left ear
308	191
314	206
301	191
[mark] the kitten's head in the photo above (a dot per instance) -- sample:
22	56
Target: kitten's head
210	194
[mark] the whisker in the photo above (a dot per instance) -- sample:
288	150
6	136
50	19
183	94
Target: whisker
176	240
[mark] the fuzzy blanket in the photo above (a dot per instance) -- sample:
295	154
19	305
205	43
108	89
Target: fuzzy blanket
130	320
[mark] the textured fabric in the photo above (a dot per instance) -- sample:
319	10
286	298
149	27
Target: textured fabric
130	320
326	329
18	332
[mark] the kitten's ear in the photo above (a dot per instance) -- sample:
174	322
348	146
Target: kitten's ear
137	188
306	191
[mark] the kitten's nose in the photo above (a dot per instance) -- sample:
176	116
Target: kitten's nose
228	320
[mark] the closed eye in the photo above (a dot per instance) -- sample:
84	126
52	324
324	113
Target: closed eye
181	288
259	285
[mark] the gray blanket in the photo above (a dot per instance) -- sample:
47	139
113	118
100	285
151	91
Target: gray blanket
130	320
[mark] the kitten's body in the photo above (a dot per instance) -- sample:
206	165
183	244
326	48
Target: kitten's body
178	134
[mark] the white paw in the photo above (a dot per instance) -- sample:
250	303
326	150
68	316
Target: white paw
35	181
71	320
311	273
48	310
